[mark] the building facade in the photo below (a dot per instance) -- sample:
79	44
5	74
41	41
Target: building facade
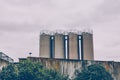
73	45
4	60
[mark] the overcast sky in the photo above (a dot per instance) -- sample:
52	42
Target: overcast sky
22	20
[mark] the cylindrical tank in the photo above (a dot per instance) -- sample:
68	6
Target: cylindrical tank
73	46
88	46
45	45
59	46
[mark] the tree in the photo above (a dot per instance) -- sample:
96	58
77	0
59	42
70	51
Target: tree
28	70
8	73
93	72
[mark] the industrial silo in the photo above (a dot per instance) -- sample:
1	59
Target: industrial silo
44	45
59	46
73	46
88	53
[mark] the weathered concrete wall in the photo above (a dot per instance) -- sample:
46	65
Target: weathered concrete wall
45	45
73	46
68	67
88	52
3	63
59	46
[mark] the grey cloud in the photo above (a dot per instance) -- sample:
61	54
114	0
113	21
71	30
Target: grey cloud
106	12
63	12
10	27
110	7
21	17
18	45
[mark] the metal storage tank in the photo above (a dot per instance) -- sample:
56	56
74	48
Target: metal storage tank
73	46
45	45
59	46
88	53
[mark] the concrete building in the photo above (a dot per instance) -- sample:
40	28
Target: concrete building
4	60
88	53
59	46
72	45
45	45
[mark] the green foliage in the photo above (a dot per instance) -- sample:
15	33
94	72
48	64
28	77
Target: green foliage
8	73
28	70
93	72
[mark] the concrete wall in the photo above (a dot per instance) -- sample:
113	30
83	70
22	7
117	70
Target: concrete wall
3	63
68	67
59	46
73	46
45	46
88	52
